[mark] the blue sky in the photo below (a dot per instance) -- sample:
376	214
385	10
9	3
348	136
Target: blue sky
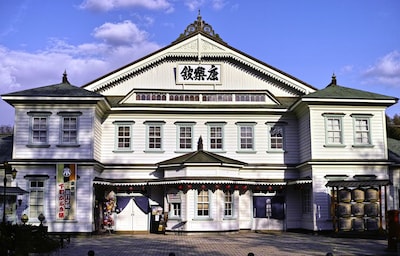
358	40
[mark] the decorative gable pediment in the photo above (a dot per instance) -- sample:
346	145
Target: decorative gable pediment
199	49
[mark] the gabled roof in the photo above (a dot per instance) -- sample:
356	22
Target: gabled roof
181	49
199	157
64	89
394	149
335	91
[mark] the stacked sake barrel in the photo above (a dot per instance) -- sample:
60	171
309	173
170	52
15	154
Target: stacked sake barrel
358	209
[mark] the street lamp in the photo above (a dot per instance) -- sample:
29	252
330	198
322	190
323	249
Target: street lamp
7	169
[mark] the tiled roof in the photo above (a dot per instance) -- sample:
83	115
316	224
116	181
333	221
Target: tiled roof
64	89
334	91
394	146
200	156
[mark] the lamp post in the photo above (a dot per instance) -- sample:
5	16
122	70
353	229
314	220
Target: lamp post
7	169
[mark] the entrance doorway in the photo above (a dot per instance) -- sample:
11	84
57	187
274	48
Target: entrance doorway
268	212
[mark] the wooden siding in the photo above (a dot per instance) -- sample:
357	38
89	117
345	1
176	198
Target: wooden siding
163	77
22	134
304	134
139	155
378	133
84	198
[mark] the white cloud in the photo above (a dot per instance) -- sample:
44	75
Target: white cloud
385	71
122	43
195	5
124	33
107	5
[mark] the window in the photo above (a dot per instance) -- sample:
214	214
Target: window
216	136
175	210
39	130
362	133
203	203
306	200
154	136
123	135
228	203
185	136
276	136
69	128
174	200
246	136
333	129
36	198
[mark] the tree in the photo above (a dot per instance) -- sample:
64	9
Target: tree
393	127
6	129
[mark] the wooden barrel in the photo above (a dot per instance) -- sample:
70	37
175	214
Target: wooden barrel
344	195
372	224
371	195
358	224
357	209
344	209
358	195
345	224
371	209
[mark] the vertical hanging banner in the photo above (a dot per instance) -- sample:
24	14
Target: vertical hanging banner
66	191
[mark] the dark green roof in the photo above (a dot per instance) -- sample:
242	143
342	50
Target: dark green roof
334	91
64	89
200	156
394	146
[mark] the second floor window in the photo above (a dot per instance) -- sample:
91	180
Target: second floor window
333	129
362	133
154	136
39	130
123	134
246	136
69	130
216	135
185	135
276	137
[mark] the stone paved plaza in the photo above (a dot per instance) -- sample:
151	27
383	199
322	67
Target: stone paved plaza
239	244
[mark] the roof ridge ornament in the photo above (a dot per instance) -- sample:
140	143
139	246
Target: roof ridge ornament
65	78
199	26
333	81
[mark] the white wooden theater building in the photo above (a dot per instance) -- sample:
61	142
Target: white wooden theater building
205	138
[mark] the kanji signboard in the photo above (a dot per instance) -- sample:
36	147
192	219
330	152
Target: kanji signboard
198	74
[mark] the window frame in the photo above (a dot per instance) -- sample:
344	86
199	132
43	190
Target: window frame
328	131
37	179
208	203
306	201
63	116
241	125
210	126
362	117
272	125
180	125
117	125
32	129
150	124
230	204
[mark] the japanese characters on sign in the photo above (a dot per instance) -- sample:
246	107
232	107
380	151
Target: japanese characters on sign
198	74
66	189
